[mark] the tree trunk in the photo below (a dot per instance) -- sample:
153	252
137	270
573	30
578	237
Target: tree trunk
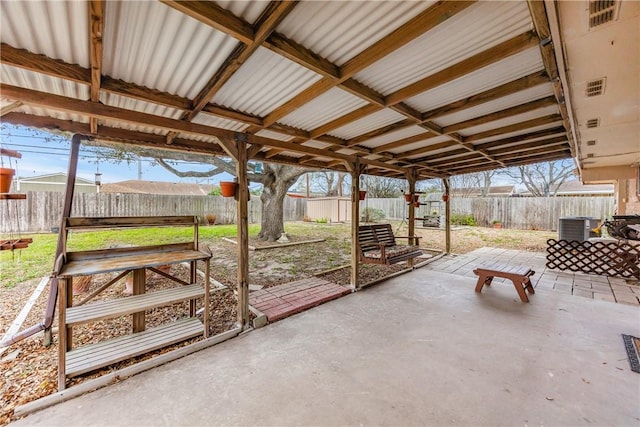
272	223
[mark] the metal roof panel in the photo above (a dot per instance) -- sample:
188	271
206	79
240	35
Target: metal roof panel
137	105
496	74
263	83
156	46
366	124
518	98
394	136
338	30
274	135
467	33
420	144
41	82
250	11
57	29
540	112
56	114
329	106
219	122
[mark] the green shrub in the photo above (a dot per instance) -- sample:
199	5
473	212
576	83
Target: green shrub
463	219
372	215
322	220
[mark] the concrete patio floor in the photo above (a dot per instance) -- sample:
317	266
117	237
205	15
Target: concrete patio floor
419	349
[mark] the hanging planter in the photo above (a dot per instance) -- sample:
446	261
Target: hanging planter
445	197
416	198
6	175
228	188
362	195
407	197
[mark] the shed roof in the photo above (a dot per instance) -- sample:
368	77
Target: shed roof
439	87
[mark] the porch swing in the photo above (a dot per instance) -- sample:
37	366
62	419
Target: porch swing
377	244
12	220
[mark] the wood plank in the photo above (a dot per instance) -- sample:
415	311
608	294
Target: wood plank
42	64
130	221
522	138
380	131
344	120
92	357
301	55
119	114
497	115
131	304
10	107
9	245
551	118
413	29
12	196
476	62
129	262
96	24
216	17
506	89
126	251
402	142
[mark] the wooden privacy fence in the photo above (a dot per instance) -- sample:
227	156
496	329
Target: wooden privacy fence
41	211
526	213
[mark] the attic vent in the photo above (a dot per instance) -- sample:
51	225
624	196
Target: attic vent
592	142
590	155
602	11
595	87
593	123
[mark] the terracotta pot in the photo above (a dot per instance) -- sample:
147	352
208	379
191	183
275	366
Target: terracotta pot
228	188
362	195
497	225
416	198
6	175
407	197
445	197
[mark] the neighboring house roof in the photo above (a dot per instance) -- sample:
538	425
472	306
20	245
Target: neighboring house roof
157	187
50	176
497	190
576	187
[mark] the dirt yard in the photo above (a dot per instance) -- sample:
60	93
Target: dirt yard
29	370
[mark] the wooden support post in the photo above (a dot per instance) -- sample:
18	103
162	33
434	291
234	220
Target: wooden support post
138	289
447	214
243	229
412	176
63	335
193	277
356	171
207	302
62	234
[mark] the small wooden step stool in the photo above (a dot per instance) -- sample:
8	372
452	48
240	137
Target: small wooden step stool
520	276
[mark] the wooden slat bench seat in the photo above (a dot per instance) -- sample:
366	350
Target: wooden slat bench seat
91	357
378	245
520	276
132	304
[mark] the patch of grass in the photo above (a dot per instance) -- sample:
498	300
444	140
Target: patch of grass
37	260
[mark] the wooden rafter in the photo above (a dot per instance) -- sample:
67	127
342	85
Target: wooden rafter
10	107
506	89
100	111
540	121
96	25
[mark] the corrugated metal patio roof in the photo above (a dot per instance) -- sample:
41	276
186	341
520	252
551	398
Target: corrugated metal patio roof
319	83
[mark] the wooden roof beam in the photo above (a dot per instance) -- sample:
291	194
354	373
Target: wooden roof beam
506	89
540	121
522	138
211	14
86	108
96	25
10	107
275	12
503	50
417	26
402	142
502	114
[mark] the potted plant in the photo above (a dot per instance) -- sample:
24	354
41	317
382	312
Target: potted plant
228	188
362	195
407	198
496	223
445	197
6	175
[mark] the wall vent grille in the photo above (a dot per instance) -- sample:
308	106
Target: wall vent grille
593	123
595	87
602	11
592	142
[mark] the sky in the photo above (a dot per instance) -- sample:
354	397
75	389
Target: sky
46	153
